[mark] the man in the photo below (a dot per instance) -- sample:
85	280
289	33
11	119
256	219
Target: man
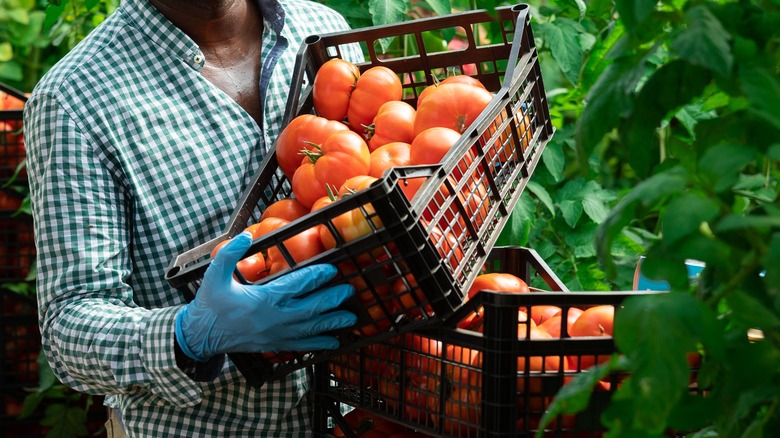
140	142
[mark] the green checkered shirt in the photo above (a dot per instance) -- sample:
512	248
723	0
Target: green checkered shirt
133	158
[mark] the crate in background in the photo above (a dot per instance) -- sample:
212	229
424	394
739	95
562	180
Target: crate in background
12	152
454	382
17	247
411	270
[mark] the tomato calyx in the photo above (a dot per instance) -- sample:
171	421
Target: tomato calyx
312	154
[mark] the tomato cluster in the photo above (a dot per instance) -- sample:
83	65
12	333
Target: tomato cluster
430	382
359	129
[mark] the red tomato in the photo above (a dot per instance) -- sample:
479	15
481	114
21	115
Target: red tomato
453	106
430	146
553	324
301	133
403	288
394	122
289	209
300	247
462	79
388	156
252	268
594	321
332	88
375	86
354	223
343	155
498	281
542	313
535	365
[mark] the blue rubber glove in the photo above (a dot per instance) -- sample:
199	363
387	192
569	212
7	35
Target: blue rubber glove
227	316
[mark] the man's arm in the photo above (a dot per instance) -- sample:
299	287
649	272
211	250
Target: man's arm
95	337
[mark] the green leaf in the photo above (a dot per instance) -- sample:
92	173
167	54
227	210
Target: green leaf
439	7
20	16
610	97
30	404
562	37
6	52
772	277
685	214
734	223
388	11
694	412
634	12
11	71
54	12
763	89
704	42
597	60
581	240
643	328
721	164
571	210
554	159
575	395
542	195
633	205
670	87
518	226
90	4
34	30
46	377
752	311
65	421
595	208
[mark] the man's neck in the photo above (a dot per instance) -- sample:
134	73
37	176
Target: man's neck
212	24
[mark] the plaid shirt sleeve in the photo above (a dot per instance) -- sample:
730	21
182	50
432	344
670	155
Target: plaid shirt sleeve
84	240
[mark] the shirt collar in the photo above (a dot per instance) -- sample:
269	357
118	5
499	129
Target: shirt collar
172	39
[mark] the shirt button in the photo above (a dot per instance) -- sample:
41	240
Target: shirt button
198	59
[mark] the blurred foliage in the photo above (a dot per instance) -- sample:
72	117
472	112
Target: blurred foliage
35	34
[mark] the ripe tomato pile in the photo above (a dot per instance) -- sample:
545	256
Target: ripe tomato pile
361	128
442	382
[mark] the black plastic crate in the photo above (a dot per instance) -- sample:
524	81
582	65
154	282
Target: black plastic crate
411	270
12	152
17	247
20	340
453	382
11	200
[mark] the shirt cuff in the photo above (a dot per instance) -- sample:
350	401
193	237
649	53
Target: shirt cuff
169	381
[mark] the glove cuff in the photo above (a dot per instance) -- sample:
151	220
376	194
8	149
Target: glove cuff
181	340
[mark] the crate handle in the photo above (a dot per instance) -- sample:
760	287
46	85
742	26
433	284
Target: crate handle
13	92
522	24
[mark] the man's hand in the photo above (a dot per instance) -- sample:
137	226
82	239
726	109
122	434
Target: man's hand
227	316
